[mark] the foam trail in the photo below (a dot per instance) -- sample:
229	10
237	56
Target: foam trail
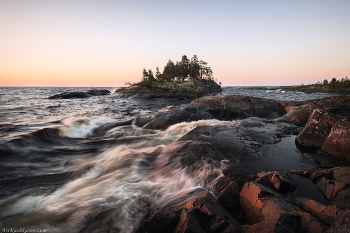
120	185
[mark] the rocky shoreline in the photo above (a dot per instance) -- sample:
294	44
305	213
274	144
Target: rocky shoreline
267	184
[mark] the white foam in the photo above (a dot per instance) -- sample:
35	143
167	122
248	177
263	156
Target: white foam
22	205
140	111
83	126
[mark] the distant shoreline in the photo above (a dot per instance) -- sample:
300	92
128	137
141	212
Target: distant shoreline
302	88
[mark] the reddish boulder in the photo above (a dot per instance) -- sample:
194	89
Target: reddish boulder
324	213
325	118
313	134
338	141
259	203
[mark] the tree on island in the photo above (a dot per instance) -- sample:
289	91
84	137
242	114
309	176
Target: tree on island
191	69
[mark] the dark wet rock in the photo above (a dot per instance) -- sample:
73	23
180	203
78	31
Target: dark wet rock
80	94
188	154
279	181
212	107
196	211
98	92
342	223
242	143
104	128
237	106
69	95
228	194
137	95
164	119
324	213
338	141
334	183
319	160
228	142
301	172
142	120
170	116
313	134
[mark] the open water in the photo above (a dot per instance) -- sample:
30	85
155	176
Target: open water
58	173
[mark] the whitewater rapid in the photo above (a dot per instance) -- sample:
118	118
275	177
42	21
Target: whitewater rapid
119	181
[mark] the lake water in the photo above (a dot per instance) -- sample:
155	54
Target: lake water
57	170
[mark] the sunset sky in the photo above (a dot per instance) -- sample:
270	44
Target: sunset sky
107	43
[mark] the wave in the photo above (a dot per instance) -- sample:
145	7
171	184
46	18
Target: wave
83	126
127	182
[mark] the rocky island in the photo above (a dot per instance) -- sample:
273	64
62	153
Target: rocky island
340	86
185	79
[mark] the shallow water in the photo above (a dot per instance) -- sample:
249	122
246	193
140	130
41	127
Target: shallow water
55	167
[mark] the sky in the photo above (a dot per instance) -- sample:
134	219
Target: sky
107	43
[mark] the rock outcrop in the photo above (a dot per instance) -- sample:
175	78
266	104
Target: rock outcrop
80	94
313	134
217	107
326	131
334	183
338	141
